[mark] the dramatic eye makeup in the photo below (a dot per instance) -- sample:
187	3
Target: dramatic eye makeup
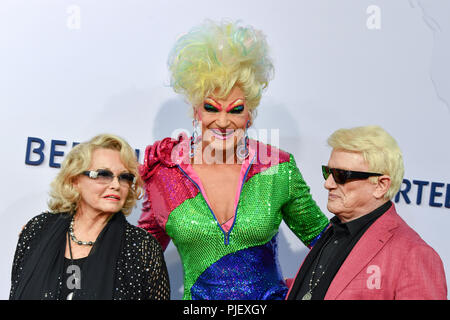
211	106
236	107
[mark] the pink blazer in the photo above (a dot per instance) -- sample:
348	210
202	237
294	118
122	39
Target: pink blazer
390	262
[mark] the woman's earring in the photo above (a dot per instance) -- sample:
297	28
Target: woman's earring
196	137
242	148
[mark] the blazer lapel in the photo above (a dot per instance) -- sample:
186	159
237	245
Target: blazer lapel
373	240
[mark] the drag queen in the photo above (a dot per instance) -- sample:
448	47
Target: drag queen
219	195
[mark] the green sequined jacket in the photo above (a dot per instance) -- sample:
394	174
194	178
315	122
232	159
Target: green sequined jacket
237	260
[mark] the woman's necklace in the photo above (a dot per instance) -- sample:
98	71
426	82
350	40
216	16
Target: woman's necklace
74	239
70	295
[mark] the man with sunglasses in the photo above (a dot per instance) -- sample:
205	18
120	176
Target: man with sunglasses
368	252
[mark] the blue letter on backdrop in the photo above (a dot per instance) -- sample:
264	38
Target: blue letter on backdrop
435	194
447	196
404	192
37	150
420	185
54	153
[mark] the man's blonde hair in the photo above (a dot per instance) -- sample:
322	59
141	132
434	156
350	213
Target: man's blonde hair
379	149
63	195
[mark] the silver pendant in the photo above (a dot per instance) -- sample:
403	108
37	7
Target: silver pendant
307	296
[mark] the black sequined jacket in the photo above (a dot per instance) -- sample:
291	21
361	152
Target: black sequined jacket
141	272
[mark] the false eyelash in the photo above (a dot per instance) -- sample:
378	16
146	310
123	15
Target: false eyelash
237	109
210	108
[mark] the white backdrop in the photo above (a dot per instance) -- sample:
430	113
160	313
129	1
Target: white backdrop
72	69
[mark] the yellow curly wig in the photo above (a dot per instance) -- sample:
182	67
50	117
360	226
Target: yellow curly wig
214	57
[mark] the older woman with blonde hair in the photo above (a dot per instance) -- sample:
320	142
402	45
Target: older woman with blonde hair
84	248
219	195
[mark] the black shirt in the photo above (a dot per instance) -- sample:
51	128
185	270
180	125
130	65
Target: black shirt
329	253
68	278
140	272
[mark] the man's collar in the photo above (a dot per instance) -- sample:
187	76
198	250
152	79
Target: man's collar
354	226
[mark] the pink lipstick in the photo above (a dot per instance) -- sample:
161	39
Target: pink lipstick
222	134
112	197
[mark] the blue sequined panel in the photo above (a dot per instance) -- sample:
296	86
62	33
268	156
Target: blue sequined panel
249	274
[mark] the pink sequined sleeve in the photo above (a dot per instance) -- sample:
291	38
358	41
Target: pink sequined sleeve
160	179
149	223
151	220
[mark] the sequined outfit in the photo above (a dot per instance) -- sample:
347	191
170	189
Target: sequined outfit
239	262
140	271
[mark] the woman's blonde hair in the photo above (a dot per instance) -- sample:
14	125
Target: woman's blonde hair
379	149
63	195
214	57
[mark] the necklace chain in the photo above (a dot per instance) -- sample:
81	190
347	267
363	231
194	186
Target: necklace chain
74	239
308	295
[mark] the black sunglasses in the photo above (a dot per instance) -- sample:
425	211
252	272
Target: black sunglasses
341	176
105	176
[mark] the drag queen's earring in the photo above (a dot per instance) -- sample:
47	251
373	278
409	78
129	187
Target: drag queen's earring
196	137
242	148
